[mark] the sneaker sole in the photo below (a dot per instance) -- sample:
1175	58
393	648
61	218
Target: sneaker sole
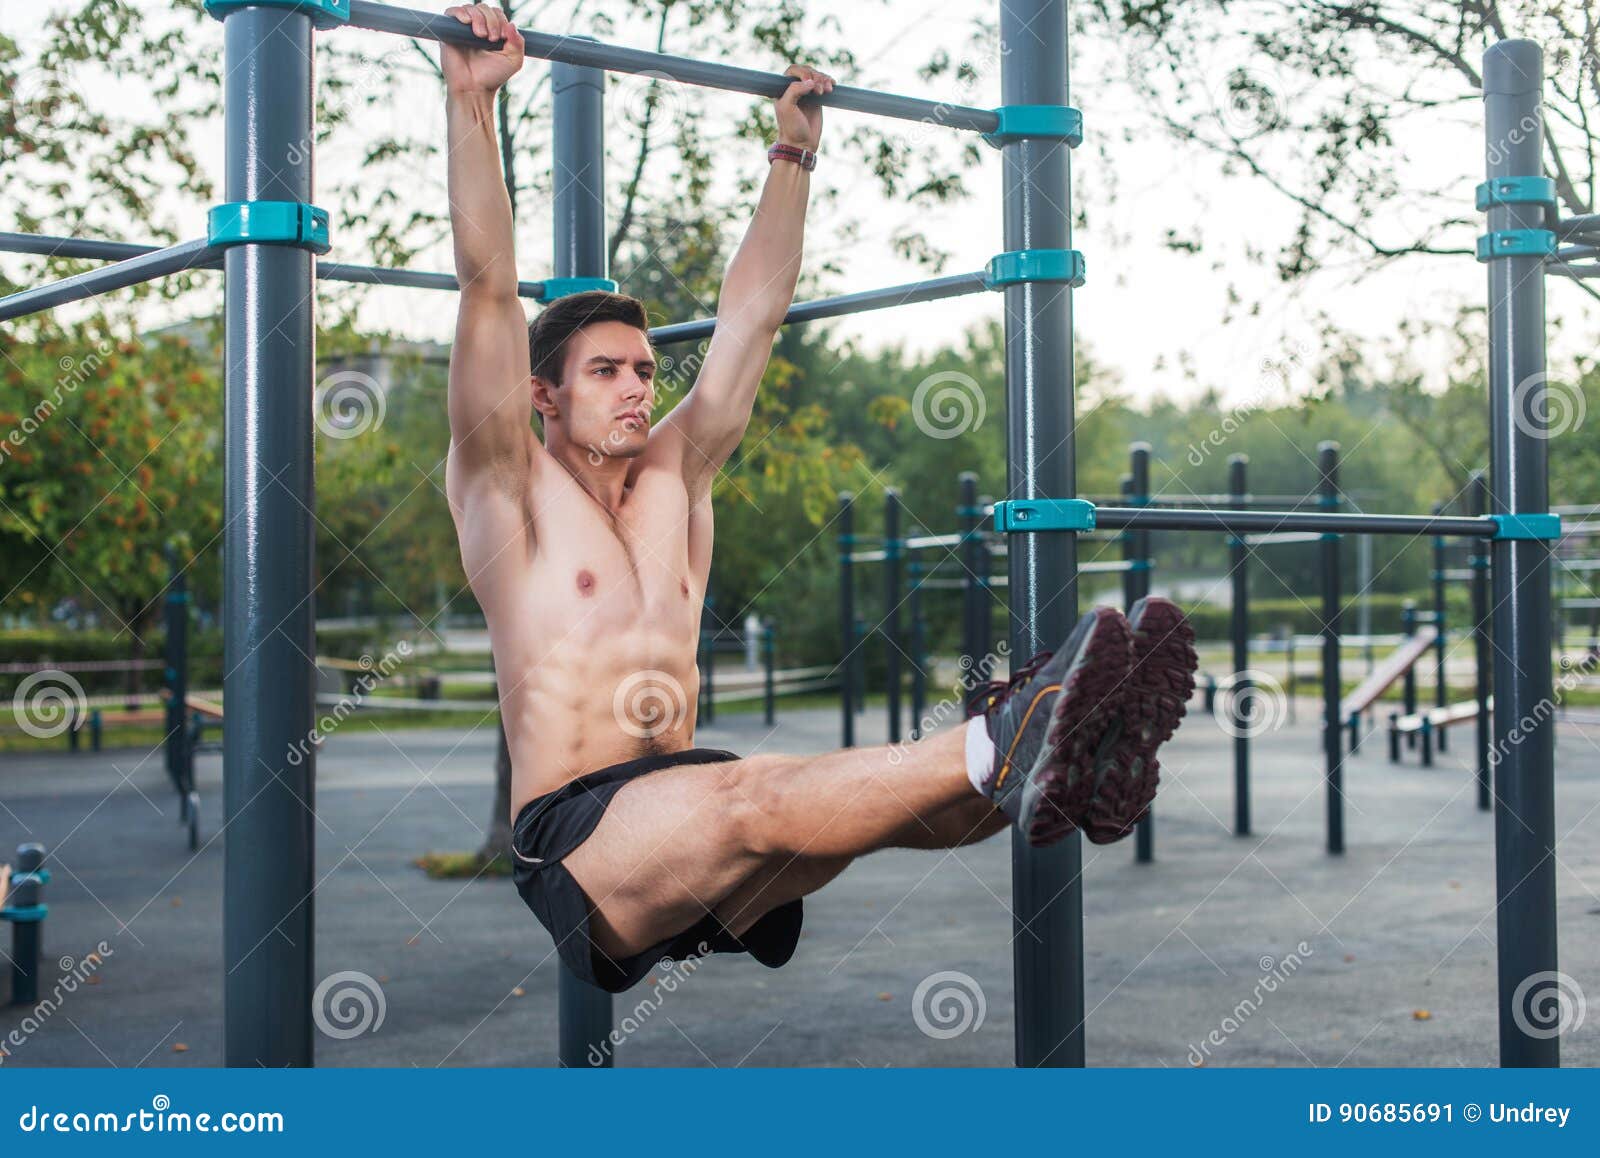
1159	686
1061	784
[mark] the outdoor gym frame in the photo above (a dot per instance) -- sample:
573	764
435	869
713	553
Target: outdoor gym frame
265	237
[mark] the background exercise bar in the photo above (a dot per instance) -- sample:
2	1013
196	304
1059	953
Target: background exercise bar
44	245
1114	518
957	285
682	69
130	272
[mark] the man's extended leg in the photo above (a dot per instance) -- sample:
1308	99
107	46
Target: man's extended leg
679	842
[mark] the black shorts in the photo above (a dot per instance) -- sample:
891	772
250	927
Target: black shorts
551	826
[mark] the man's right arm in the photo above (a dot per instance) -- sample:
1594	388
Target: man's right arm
491	438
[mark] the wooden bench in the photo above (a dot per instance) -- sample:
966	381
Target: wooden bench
1426	724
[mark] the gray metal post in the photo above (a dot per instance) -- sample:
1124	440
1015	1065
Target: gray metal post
893	646
176	621
1408	682
1047	891
847	622
769	691
975	573
1241	705
1441	680
1135	586
578	180
1332	688
1519	483
27	934
919	646
1478	499
269	358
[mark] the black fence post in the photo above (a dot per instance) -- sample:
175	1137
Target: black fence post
1332	689
1241	698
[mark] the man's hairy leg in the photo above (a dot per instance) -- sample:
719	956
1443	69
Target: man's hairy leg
678	843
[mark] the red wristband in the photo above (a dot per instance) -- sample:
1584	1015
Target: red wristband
805	158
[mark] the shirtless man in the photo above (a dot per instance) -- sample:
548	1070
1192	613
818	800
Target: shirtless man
589	553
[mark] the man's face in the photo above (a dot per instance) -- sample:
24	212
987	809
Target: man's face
607	390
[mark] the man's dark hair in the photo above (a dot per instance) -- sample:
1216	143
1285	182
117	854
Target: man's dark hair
549	332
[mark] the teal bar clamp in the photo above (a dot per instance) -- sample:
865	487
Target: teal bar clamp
1018	516
269	223
1531	526
1025	265
1058	122
1516	191
1516	243
560	287
323	13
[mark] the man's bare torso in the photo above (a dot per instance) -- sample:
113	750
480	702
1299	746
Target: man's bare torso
594	617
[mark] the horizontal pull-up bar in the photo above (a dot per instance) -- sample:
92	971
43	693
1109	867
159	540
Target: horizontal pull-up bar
957	285
44	245
681	69
1244	522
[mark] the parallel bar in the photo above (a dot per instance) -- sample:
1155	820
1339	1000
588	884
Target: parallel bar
269	358
1332	687
1478	503
958	285
1519	482
1046	884
129	272
847	623
681	69
1244	522
579	210
893	646
1573	226
1240	697
45	245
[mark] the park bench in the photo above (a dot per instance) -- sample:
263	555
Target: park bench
1426	724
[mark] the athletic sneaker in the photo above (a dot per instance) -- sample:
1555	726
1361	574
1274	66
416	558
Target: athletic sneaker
1048	723
1156	697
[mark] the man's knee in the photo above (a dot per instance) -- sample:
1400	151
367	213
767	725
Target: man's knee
751	802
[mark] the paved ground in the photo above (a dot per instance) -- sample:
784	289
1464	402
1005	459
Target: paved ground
1382	957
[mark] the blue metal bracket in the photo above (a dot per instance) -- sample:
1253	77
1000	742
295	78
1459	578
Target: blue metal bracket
1517	191
1140	564
1019	516
1060	122
268	223
1024	265
26	915
560	287
1531	526
1516	243
323	13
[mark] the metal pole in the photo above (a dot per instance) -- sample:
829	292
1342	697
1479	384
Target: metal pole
1047	889
27	935
768	660
578	181
1240	702
1441	688
1519	482
1478	498
936	289
1136	548
892	646
179	766
592	54
1248	522
919	650
847	622
975	568
1332	688
269	356
1408	682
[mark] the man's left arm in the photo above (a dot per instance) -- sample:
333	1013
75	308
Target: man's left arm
756	293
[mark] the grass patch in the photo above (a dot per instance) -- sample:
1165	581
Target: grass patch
455	866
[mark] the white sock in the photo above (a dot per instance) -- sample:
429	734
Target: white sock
980	754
